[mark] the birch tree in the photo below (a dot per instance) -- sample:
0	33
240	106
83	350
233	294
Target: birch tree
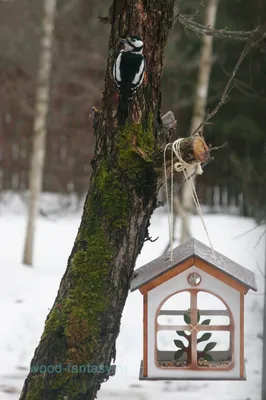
40	126
205	64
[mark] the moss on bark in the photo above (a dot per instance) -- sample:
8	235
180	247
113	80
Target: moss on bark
84	322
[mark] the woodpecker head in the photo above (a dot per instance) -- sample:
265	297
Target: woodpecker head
132	43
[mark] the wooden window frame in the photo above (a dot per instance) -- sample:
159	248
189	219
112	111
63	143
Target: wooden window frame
193	306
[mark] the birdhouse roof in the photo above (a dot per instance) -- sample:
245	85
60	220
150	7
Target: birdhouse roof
192	248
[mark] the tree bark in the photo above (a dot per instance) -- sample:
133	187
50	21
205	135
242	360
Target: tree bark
84	322
201	96
40	126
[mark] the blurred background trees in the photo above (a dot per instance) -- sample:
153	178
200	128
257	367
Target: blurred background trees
40	124
235	180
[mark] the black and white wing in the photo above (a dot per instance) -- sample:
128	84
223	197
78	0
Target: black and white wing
128	72
116	70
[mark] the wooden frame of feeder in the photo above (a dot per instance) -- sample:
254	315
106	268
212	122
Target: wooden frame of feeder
194	359
193	254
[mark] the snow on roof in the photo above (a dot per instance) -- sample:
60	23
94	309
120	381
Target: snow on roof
189	249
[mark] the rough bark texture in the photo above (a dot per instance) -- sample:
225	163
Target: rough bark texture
84	322
201	96
40	129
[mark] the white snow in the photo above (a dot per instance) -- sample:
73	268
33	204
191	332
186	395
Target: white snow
26	294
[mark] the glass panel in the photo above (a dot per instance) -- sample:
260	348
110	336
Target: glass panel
214	349
174	346
213	319
166	340
179	301
171	319
172	350
207	301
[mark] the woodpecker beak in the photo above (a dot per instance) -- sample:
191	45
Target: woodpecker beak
122	40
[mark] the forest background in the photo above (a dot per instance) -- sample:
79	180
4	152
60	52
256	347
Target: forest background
236	179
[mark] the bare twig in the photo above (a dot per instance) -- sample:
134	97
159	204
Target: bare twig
218	147
229	86
245	88
260	270
197	12
104	20
248	231
261	236
189	23
149	238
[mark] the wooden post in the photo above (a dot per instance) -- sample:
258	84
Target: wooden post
145	334
242	360
263	383
193	316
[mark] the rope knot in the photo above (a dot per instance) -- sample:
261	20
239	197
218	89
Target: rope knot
183	165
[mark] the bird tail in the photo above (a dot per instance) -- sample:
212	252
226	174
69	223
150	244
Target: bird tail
122	111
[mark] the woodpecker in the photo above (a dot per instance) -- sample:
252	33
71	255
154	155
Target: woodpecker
128	73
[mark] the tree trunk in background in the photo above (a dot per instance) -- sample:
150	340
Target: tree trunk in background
84	322
205	64
40	126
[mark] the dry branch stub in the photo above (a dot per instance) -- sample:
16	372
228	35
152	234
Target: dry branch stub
193	149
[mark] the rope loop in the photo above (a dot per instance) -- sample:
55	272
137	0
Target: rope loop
181	166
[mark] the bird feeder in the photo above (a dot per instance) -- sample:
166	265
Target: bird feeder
193	315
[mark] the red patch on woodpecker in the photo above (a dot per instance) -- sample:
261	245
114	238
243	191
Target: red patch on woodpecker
145	78
115	97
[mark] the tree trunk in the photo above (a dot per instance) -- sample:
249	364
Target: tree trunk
40	126
202	87
84	322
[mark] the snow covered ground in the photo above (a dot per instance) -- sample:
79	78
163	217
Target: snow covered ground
27	293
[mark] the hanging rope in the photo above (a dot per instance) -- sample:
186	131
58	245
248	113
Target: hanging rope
169	211
181	166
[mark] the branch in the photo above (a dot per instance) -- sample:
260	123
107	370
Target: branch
248	231
168	122
168	126
149	238
189	23
193	149
218	147
229	86
245	88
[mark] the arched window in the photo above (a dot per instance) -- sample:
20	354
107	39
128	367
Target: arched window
195	330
